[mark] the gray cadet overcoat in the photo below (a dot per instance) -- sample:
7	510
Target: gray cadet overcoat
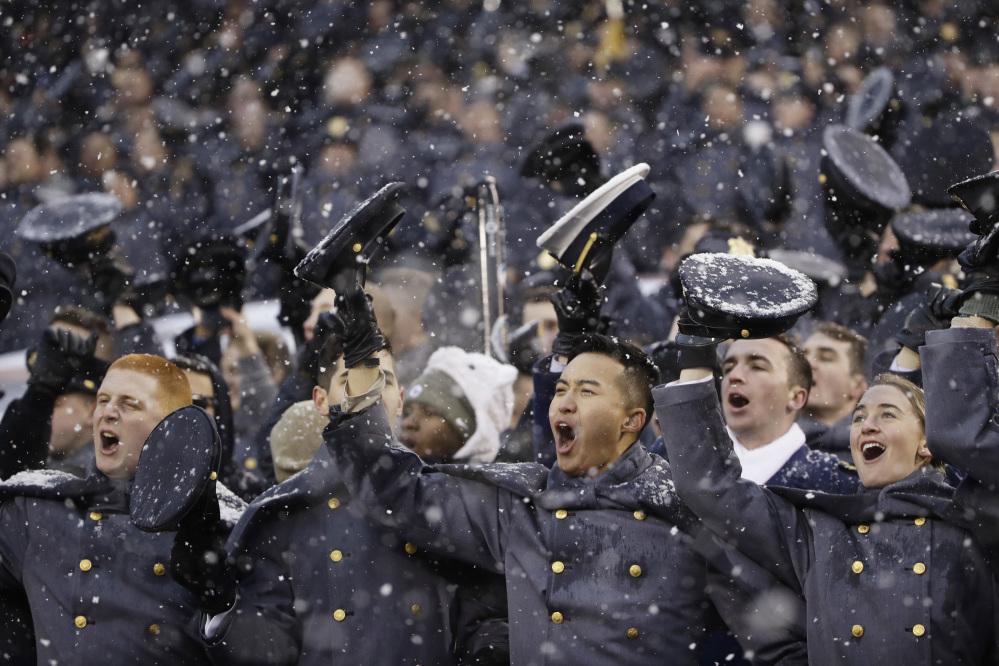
592	577
319	585
99	589
887	577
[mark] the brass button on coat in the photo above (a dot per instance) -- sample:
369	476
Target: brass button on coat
918	630
633	633
339	615
336	556
635	571
333	503
920	521
857	631
561	514
411	548
80	622
919	568
86	565
96	515
154	630
558	567
557	617
639	515
415	609
863	529
159	569
857	567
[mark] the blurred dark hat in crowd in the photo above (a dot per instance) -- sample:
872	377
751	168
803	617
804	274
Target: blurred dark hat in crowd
922	83
317	128
212	271
178	463
72	230
980	197
585	236
87	376
566	159
949	149
862	183
933	234
825	272
739	297
765	187
720	28
8	276
355	238
876	108
448	225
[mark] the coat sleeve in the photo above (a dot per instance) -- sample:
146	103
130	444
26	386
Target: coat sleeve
961	383
453	516
17	636
261	628
962	388
766	528
25	431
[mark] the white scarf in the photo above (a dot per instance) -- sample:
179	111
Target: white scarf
760	464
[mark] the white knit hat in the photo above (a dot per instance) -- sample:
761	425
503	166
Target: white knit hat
488	387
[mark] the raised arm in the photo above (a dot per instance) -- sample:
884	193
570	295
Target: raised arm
961	383
454	516
707	474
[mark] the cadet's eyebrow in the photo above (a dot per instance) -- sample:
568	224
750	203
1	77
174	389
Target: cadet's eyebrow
578	382
878	406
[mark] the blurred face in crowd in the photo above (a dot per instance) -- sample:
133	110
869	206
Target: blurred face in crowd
128	407
333	394
835	388
22	162
202	390
758	400
590	415
323	302
427	433
544	313
887	439
72	424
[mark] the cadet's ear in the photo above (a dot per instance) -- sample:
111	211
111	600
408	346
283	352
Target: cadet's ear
797	398
636	420
320	400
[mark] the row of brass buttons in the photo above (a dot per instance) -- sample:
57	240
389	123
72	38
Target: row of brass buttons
858	630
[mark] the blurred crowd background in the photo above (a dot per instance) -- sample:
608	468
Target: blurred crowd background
190	113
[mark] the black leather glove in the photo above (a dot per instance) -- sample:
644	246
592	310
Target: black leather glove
354	322
941	305
59	355
696	346
577	308
198	559
980	263
694	334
